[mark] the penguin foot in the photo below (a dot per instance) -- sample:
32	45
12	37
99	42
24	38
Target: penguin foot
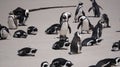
108	27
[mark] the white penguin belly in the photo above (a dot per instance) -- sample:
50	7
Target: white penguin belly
11	23
4	33
64	28
85	25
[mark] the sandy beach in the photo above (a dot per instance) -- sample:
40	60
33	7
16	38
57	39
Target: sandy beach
43	19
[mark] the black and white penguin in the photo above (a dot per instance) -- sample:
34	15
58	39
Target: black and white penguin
32	30
45	64
107	62
95	38
76	45
27	51
85	24
61	62
21	14
53	29
4	32
97	31
64	24
95	7
79	12
105	21
61	44
12	21
116	46
20	34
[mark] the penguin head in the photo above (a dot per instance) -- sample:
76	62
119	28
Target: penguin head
45	64
116	46
104	16
66	16
26	12
11	13
77	34
68	64
92	0
80	4
32	30
117	60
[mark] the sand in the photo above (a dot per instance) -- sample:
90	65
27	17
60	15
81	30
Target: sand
43	42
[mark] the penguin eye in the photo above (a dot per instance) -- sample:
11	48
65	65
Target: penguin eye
69	16
64	17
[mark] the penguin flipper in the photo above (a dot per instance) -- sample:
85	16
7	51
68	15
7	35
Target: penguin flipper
83	13
69	29
100	7
90	9
79	24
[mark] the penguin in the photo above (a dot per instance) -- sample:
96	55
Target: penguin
27	51
64	24
20	34
61	44
96	36
97	30
12	21
53	29
85	24
95	7
61	62
76	45
107	62
32	30
45	64
4	32
22	15
79	12
105	21
116	46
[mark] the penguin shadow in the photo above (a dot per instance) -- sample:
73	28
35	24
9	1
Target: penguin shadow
118	31
115	50
92	66
4	39
63	49
70	53
28	55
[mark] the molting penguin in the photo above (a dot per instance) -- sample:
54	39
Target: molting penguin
95	8
61	62
20	34
64	24
45	64
32	30
116	46
105	21
12	21
85	24
76	45
21	14
79	12
107	62
95	38
4	32
53	29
